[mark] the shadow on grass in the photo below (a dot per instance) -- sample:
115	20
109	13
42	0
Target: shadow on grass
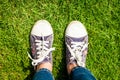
62	65
31	68
63	68
32	72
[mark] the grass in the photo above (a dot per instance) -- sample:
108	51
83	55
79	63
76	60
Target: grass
102	21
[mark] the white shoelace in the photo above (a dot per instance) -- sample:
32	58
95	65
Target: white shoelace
76	50
42	53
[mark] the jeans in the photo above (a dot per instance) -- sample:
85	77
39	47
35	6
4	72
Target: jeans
78	73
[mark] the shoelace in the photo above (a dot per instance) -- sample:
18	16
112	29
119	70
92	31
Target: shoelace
42	53
76	50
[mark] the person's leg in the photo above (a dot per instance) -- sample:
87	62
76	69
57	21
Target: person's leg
43	72
76	39
41	39
81	73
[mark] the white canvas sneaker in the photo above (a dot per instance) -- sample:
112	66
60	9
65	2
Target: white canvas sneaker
41	39
76	39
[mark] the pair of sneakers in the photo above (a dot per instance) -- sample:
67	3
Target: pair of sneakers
41	40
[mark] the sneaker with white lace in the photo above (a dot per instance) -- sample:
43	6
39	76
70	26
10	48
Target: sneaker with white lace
41	39
76	39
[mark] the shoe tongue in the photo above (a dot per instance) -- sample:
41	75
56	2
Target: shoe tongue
34	37
47	59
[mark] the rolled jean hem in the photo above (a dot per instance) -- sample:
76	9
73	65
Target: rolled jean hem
81	73
44	69
76	68
44	73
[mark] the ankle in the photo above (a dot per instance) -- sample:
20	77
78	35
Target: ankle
46	65
70	67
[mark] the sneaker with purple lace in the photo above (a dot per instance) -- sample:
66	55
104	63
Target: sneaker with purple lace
41	39
76	40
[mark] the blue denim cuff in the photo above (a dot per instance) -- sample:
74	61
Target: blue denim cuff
43	74
44	69
81	73
76	68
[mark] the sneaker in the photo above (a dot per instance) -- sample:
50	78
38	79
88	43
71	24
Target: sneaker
41	39
76	39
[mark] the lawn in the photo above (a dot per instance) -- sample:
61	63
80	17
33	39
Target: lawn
102	21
